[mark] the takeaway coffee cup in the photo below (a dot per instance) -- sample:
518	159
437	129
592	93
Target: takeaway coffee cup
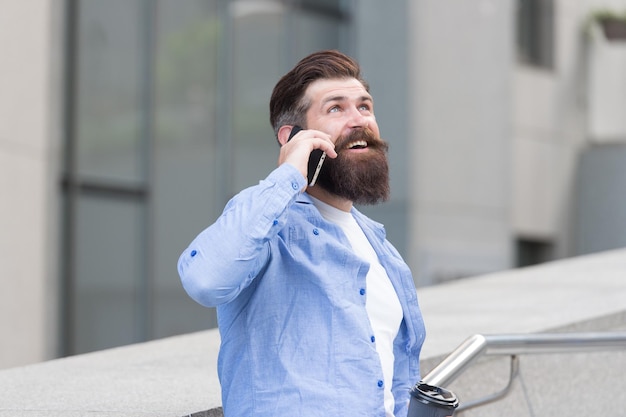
431	401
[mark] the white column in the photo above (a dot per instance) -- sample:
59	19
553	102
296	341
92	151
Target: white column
460	103
606	88
30	111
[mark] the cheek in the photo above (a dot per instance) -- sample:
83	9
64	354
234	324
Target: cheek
334	130
374	128
324	125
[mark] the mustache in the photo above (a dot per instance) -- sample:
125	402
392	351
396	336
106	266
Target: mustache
366	134
361	177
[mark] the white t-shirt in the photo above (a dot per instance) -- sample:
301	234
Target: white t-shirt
382	303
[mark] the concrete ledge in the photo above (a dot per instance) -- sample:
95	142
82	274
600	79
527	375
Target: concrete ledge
169	377
551	296
178	377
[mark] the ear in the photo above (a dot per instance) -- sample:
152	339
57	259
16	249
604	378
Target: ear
283	134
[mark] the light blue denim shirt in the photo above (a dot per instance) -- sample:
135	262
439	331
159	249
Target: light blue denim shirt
290	297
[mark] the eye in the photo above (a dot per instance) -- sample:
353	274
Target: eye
365	107
334	109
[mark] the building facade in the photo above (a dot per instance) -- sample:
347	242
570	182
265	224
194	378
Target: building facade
127	125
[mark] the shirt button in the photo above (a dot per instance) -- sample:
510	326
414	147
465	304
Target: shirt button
295	185
362	291
275	222
373	339
380	384
316	232
193	253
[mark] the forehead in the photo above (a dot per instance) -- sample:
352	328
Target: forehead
337	88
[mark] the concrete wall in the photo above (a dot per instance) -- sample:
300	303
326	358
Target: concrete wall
557	113
601	200
461	63
29	158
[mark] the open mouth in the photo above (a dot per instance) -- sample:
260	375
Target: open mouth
358	144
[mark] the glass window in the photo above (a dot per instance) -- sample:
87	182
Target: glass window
105	260
313	32
185	182
109	91
330	7
261	52
533	252
170	120
257	53
535	32
109	267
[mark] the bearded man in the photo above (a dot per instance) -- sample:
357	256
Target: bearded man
317	311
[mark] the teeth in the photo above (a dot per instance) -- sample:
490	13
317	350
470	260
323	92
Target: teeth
360	143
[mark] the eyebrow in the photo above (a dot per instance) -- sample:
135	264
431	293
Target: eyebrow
345	98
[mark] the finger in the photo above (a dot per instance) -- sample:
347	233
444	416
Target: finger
322	141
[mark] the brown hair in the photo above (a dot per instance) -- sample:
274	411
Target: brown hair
287	104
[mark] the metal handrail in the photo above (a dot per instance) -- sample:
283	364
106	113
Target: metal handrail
516	344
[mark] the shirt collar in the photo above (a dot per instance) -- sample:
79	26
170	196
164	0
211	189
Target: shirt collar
364	221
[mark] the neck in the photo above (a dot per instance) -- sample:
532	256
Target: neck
329	198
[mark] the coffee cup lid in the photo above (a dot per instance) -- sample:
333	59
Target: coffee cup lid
431	394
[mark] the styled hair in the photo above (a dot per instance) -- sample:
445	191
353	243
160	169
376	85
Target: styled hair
288	105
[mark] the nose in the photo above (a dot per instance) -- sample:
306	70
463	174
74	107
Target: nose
357	119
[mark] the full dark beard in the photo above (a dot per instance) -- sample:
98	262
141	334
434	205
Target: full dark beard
362	178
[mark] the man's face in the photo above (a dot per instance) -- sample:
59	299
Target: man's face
344	109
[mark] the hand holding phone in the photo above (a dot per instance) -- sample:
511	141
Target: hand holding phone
316	159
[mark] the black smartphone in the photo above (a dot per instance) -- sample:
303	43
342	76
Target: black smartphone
316	159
